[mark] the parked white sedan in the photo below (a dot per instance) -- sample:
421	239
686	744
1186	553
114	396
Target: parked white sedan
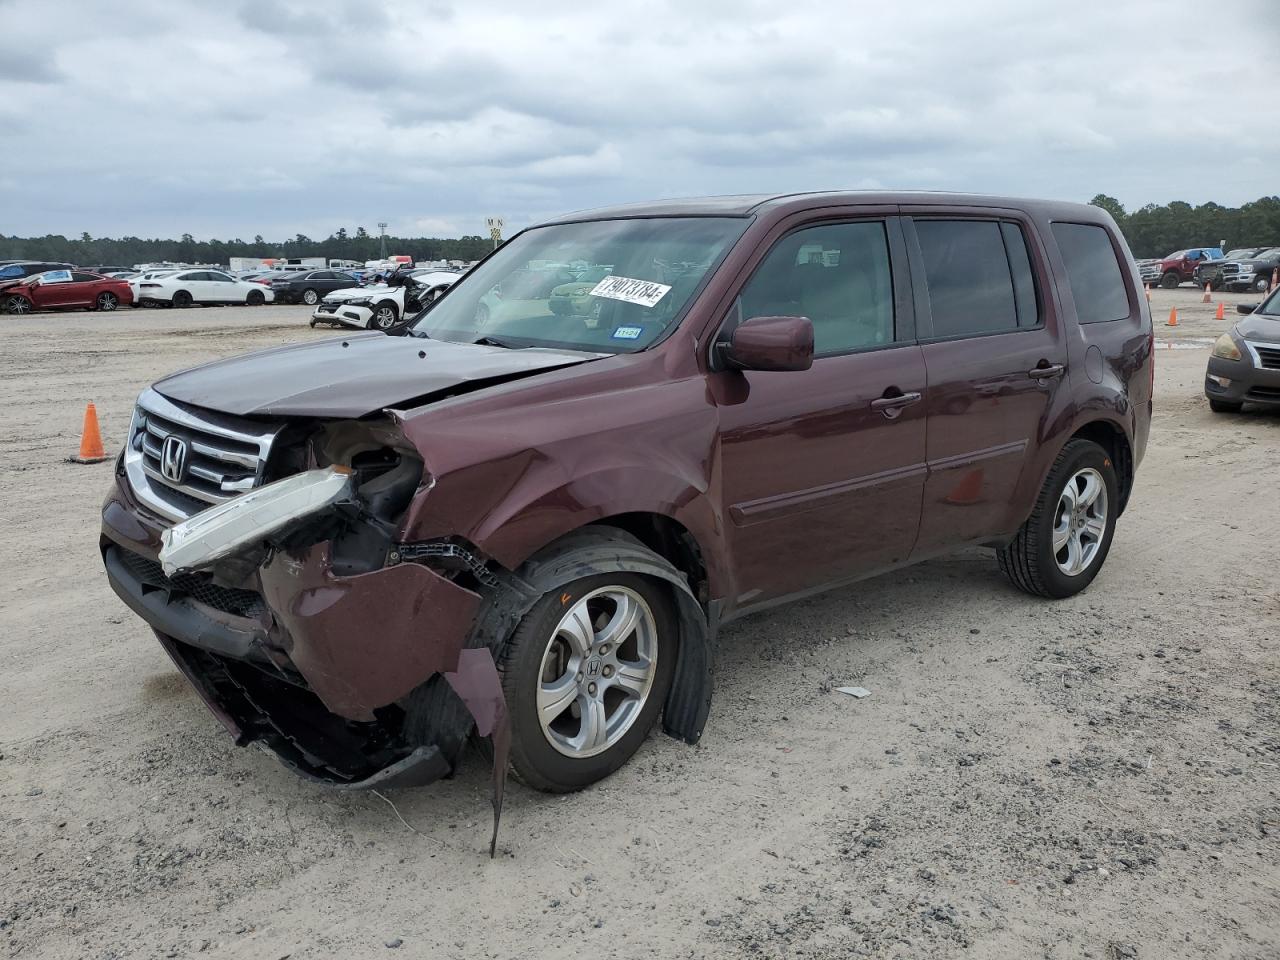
383	307
185	287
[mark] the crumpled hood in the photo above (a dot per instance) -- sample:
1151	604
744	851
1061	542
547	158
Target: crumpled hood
352	293
1260	327
352	376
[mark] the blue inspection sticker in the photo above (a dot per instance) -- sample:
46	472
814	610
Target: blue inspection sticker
627	333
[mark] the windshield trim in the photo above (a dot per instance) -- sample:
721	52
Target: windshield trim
676	322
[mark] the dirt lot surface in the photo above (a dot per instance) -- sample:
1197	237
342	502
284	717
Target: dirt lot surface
1095	777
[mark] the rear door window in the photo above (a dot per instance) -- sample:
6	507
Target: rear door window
1093	271
971	289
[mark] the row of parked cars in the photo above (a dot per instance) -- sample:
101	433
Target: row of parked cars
373	301
1245	268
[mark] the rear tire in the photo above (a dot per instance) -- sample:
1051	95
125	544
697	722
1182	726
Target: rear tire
537	660
1170	280
107	301
1225	406
182	299
1031	561
310	297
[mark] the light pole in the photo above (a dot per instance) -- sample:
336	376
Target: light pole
382	232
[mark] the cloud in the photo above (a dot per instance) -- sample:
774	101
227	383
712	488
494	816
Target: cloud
156	117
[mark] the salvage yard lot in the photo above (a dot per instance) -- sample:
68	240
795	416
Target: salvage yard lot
1097	777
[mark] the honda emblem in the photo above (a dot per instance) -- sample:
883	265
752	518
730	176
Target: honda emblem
173	459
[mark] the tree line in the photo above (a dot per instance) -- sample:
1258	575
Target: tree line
1152	231
340	245
1158	230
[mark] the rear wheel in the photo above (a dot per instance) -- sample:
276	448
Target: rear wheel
585	676
1225	406
17	304
384	317
256	298
182	299
310	297
1065	541
107	301
1170	280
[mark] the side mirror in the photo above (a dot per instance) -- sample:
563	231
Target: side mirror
1247	307
769	343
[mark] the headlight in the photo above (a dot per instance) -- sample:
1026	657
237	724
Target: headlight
1225	348
361	302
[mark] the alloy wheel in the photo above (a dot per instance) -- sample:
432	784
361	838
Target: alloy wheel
384	318
1080	523
597	670
107	301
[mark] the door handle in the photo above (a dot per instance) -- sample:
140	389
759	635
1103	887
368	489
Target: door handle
1049	371
892	406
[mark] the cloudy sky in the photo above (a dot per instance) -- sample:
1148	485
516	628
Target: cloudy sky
228	119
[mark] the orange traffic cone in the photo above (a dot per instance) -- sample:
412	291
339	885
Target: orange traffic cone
1222	311
968	490
1173	317
1207	298
90	439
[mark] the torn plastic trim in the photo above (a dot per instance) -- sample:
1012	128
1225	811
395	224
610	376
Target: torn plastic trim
244	522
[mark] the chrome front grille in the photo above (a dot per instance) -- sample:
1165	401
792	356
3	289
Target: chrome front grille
180	461
1266	355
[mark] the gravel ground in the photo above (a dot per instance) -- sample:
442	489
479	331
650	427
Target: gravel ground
1095	777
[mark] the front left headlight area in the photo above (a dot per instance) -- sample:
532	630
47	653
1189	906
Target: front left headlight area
1225	348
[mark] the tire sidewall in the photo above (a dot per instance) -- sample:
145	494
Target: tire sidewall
1085	454
535	760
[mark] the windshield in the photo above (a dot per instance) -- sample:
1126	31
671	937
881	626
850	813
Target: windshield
1238	254
628	283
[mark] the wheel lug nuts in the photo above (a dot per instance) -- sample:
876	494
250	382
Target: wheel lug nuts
591	689
579	676
608	671
604	648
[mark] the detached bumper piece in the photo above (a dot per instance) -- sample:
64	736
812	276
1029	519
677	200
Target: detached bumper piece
359	681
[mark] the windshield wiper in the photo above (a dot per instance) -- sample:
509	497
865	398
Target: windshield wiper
491	341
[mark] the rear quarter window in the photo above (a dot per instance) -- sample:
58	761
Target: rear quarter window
1093	271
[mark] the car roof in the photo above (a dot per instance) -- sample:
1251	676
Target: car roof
746	205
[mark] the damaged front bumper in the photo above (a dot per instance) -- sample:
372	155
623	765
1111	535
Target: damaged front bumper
358	680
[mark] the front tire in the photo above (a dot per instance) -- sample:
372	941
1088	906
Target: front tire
1170	280
586	674
255	298
384	317
17	304
1065	541
1262	284
1225	406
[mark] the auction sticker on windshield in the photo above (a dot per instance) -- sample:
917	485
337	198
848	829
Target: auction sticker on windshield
644	292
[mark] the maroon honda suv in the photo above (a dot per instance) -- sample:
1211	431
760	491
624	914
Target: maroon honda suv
529	523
